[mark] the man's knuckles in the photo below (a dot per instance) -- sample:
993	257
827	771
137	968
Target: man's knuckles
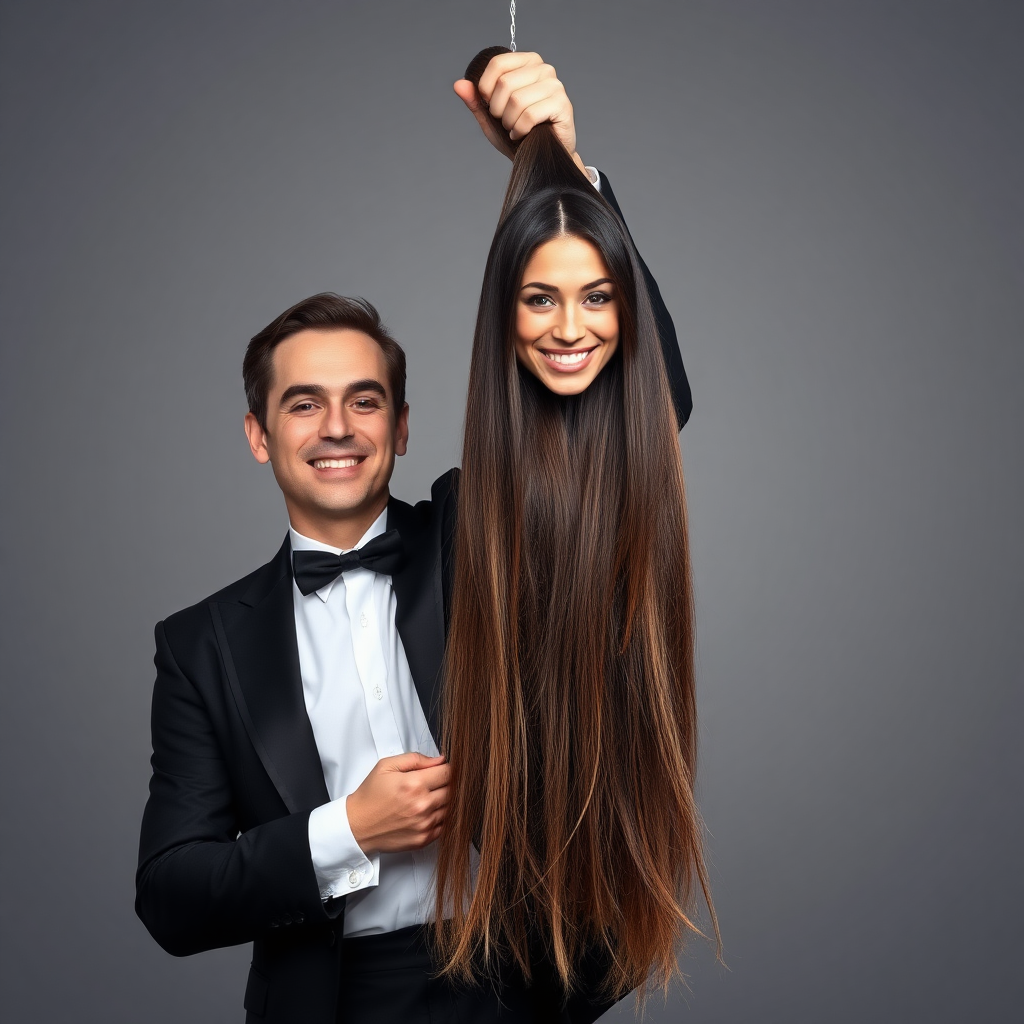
555	108
525	93
512	81
503	63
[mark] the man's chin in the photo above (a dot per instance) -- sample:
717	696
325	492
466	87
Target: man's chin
344	503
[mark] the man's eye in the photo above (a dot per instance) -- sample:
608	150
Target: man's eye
365	403
303	407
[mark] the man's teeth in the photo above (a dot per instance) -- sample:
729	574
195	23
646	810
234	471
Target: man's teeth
334	463
567	358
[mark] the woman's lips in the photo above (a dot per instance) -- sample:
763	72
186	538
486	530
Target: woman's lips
567	360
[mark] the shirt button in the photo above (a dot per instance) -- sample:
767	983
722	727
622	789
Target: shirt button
354	878
363	620
378	693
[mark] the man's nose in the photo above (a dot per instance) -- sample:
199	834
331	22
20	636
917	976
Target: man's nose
569	327
336	421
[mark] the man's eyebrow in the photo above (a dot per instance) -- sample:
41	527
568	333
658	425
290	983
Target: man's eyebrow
321	393
366	385
296	390
554	288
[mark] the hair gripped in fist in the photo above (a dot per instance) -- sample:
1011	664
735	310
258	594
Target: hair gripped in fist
401	804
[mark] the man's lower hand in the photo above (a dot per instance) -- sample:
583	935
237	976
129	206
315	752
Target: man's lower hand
401	804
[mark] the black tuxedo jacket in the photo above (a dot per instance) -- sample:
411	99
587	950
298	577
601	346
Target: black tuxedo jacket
224	855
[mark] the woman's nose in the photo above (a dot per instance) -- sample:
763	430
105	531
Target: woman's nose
570	326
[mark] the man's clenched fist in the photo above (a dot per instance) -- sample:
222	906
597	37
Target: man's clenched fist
400	805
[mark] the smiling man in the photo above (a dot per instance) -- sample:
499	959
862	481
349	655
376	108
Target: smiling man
297	788
330	414
296	784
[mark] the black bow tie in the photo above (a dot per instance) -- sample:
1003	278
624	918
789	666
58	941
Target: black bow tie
315	569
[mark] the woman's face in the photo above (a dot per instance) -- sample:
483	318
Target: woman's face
567	315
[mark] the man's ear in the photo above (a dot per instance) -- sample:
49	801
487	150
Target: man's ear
257	439
402	431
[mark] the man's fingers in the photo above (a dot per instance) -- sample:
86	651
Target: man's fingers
429	810
508	85
435	778
553	99
537	114
502	64
466	92
521	91
411	762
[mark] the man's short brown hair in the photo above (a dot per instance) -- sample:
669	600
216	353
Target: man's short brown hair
323	312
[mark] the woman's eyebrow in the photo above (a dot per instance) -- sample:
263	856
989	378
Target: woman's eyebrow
553	288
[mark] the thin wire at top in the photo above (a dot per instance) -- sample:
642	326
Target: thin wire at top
512	15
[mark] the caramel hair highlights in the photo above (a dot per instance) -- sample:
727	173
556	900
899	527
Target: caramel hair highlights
569	710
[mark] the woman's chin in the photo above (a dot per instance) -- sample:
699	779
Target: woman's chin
565	384
566	387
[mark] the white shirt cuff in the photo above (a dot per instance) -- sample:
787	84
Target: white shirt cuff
341	866
595	177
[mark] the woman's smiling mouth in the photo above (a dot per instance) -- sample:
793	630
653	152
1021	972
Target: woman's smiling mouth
567	361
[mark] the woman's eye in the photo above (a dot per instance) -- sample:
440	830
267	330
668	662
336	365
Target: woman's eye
598	298
540	300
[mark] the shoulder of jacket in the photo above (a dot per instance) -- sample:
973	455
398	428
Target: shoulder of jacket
445	487
196	616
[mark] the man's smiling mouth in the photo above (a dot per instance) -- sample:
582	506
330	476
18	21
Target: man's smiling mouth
346	463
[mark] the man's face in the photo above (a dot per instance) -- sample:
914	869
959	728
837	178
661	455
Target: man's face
332	430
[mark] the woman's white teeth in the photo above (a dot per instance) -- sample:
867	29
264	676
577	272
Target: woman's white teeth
334	463
567	358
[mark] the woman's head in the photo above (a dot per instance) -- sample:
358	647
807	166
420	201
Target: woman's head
560	284
567	314
554	223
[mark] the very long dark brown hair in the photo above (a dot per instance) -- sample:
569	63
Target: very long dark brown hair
569	714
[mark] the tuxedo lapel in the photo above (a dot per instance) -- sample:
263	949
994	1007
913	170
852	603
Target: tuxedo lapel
420	615
256	635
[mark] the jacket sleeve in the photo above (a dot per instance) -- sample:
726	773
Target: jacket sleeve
677	379
202	882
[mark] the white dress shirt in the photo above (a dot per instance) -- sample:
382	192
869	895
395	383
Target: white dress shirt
362	705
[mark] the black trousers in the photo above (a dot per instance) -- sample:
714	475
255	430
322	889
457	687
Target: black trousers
389	979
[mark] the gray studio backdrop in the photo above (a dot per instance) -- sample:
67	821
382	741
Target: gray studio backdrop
830	196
